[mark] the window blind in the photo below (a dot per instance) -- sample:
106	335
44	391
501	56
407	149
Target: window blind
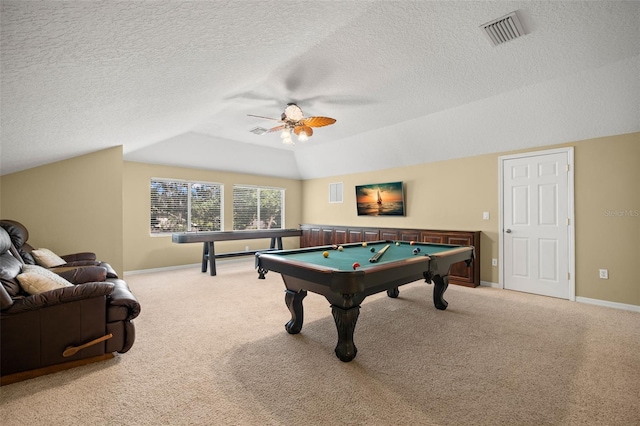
257	208
180	206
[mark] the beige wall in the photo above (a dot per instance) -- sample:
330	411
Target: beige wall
79	204
450	195
70	206
607	204
453	195
143	251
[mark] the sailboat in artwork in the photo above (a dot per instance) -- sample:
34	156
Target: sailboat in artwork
379	198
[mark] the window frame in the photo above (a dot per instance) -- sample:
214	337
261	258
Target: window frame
259	188
190	183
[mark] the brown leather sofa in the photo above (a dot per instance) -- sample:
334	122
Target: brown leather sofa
64	327
19	236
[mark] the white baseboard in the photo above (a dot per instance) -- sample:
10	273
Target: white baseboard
608	304
173	268
598	302
163	269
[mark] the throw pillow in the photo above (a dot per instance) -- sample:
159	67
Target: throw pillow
47	258
35	279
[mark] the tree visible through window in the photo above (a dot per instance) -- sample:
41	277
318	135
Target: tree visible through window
179	206
257	208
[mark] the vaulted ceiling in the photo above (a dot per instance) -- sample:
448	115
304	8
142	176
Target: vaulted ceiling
409	82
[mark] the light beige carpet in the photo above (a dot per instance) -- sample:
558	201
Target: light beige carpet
214	351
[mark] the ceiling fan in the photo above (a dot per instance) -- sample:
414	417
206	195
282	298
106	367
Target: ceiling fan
294	121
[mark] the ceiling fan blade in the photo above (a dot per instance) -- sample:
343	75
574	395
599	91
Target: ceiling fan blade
335	100
318	121
266	118
275	129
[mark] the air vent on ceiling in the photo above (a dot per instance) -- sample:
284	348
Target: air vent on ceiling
258	130
503	29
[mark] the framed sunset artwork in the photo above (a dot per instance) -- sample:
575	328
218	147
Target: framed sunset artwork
380	199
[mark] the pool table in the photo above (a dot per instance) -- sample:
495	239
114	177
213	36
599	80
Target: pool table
345	275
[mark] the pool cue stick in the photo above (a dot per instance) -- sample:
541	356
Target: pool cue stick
379	254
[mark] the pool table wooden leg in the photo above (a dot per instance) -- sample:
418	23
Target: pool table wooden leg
440	286
293	299
345	323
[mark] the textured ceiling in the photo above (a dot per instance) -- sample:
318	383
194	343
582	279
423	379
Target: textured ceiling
409	82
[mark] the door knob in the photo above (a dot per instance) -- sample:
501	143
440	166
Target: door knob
508	231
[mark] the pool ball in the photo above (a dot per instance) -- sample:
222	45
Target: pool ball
397	243
356	265
415	251
418	248
412	242
335	246
364	244
340	248
372	249
325	253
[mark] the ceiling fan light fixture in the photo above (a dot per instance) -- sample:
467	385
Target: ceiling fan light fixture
288	141
294	122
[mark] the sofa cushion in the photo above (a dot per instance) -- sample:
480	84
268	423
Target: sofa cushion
19	236
47	258
36	279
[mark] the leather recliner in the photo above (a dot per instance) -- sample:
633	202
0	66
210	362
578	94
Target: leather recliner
19	236
64	325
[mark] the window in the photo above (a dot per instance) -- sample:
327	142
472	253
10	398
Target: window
257	208
179	206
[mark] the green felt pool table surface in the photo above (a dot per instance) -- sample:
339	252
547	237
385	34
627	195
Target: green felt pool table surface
344	260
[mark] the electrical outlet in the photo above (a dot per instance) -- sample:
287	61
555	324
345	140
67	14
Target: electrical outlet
494	262
604	274
485	216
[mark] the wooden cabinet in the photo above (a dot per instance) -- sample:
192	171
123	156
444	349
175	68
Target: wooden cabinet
340	236
355	235
409	235
387	234
312	236
371	235
461	274
464	275
427	237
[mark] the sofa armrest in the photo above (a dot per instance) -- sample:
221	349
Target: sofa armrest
122	298
77	257
84	274
59	296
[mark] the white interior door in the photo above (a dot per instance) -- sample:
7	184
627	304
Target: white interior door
536	223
